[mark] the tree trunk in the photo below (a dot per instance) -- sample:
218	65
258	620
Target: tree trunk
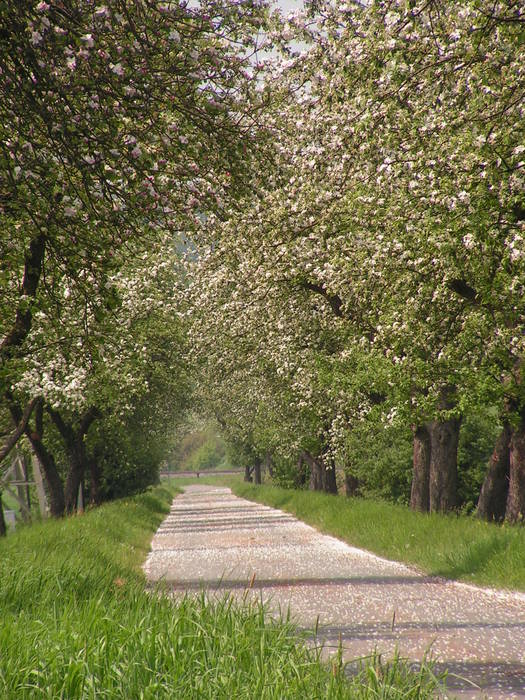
301	476
257	470
46	459
3	526
33	262
420	491
316	476
77	467
53	481
316	471
516	499
76	450
248	473
444	439
330	479
494	492
20	424
351	485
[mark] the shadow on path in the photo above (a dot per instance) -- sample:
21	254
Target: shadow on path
261	583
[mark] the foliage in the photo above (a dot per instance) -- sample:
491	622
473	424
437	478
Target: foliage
199	450
121	125
350	217
286	475
479	432
378	260
380	456
107	140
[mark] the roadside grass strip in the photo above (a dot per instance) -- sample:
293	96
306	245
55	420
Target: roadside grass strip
458	547
76	621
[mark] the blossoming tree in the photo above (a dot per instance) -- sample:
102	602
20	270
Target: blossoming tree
120	121
394	195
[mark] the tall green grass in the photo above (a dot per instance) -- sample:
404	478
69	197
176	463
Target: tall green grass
77	622
454	546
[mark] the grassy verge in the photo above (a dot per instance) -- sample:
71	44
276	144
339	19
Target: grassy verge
76	622
457	547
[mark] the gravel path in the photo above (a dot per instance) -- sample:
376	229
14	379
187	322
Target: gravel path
214	540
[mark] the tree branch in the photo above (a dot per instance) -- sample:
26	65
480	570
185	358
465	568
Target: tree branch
91	415
34	258
19	430
464	290
335	302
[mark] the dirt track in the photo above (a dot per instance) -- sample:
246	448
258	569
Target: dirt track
214	540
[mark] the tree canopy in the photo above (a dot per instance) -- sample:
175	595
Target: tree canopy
310	228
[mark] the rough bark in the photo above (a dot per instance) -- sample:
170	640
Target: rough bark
76	468
316	476
494	492
19	331
322	478
515	511
54	484
420	491
34	258
76	451
44	456
257	470
444	439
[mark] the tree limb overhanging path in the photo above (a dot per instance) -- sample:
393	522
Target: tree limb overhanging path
215	541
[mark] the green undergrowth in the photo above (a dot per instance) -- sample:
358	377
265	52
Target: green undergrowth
78	622
454	546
